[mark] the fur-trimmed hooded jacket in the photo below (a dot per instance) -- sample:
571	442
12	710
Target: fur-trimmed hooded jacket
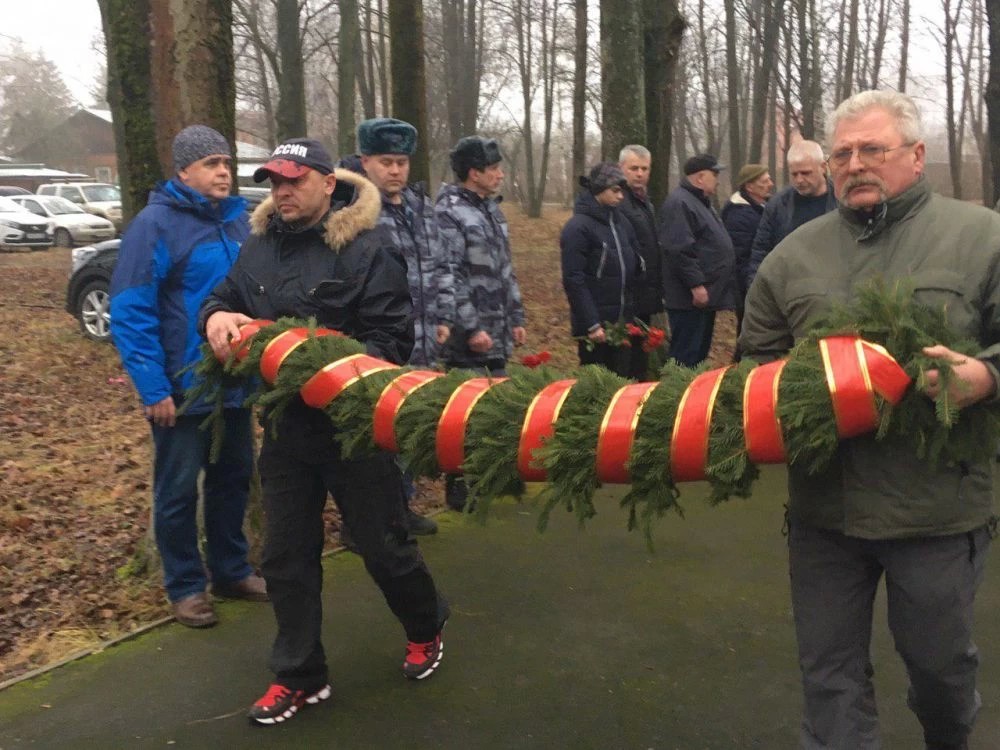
343	271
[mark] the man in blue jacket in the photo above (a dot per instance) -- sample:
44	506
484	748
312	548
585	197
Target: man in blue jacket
699	276
173	254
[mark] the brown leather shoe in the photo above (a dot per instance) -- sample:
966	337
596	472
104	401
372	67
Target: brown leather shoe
252	588
195	611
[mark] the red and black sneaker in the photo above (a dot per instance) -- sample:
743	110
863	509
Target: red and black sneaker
423	658
280	703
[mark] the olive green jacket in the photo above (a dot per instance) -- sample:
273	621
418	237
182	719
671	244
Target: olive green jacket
950	251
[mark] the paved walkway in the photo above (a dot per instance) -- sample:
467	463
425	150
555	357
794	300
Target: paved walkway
564	640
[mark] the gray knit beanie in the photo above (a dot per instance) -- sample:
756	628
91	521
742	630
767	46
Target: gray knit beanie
196	142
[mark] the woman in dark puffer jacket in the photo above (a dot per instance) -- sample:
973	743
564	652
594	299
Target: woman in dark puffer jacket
600	266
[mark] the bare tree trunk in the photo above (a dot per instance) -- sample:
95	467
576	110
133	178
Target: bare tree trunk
463	62
366	71
954	147
904	45
623	84
291	119
733	87
663	32
347	74
706	74
192	70
773	21
580	89
383	56
127	31
808	75
992	95
850	52
882	26
409	82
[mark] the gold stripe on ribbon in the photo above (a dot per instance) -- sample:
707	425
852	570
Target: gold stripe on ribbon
761	423
614	442
539	425
390	401
338	376
450	442
689	444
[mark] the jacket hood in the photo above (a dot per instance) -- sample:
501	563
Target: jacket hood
341	225
587	205
177	195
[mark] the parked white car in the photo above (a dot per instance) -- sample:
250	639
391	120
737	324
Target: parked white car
73	225
98	198
21	228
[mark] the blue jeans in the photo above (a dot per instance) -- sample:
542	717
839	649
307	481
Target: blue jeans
181	453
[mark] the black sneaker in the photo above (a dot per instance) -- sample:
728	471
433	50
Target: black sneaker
420	525
423	658
280	703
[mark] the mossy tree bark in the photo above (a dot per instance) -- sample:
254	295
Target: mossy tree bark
409	81
350	52
291	115
663	31
623	83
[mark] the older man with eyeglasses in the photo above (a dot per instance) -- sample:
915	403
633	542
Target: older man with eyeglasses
877	510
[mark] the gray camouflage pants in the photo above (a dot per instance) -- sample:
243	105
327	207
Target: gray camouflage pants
931	584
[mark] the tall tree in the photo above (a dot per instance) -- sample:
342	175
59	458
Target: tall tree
663	30
904	45
850	53
460	26
952	14
127	32
762	82
192	69
623	84
993	92
291	115
347	75
409	82
580	88
733	86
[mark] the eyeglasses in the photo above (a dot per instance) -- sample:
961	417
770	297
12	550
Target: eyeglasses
869	156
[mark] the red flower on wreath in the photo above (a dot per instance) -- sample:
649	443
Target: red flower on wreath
534	360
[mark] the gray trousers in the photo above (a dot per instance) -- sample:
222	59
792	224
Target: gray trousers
931	584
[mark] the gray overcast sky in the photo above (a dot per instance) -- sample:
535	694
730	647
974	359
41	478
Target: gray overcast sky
64	30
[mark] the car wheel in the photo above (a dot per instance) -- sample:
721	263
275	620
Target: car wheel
63	238
94	311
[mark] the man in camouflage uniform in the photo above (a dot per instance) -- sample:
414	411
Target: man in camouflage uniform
489	318
385	146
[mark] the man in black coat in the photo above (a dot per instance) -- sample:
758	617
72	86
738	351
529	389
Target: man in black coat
809	196
635	162
699	274
308	257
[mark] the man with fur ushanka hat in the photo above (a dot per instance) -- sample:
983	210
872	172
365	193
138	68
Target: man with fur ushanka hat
386	145
309	256
489	317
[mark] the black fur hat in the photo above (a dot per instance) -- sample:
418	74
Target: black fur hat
474	152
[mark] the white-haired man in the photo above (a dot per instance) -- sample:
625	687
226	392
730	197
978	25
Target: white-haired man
878	510
809	196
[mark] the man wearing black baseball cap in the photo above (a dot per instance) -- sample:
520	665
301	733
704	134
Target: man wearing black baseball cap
699	276
309	256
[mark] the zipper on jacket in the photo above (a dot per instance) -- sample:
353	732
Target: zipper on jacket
260	287
604	257
621	266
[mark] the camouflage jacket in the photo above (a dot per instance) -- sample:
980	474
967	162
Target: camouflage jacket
414	230
487	297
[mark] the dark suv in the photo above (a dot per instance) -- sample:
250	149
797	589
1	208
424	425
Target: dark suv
87	296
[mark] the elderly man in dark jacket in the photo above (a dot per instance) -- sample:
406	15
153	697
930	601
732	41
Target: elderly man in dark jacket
308	257
600	266
699	277
635	162
809	196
